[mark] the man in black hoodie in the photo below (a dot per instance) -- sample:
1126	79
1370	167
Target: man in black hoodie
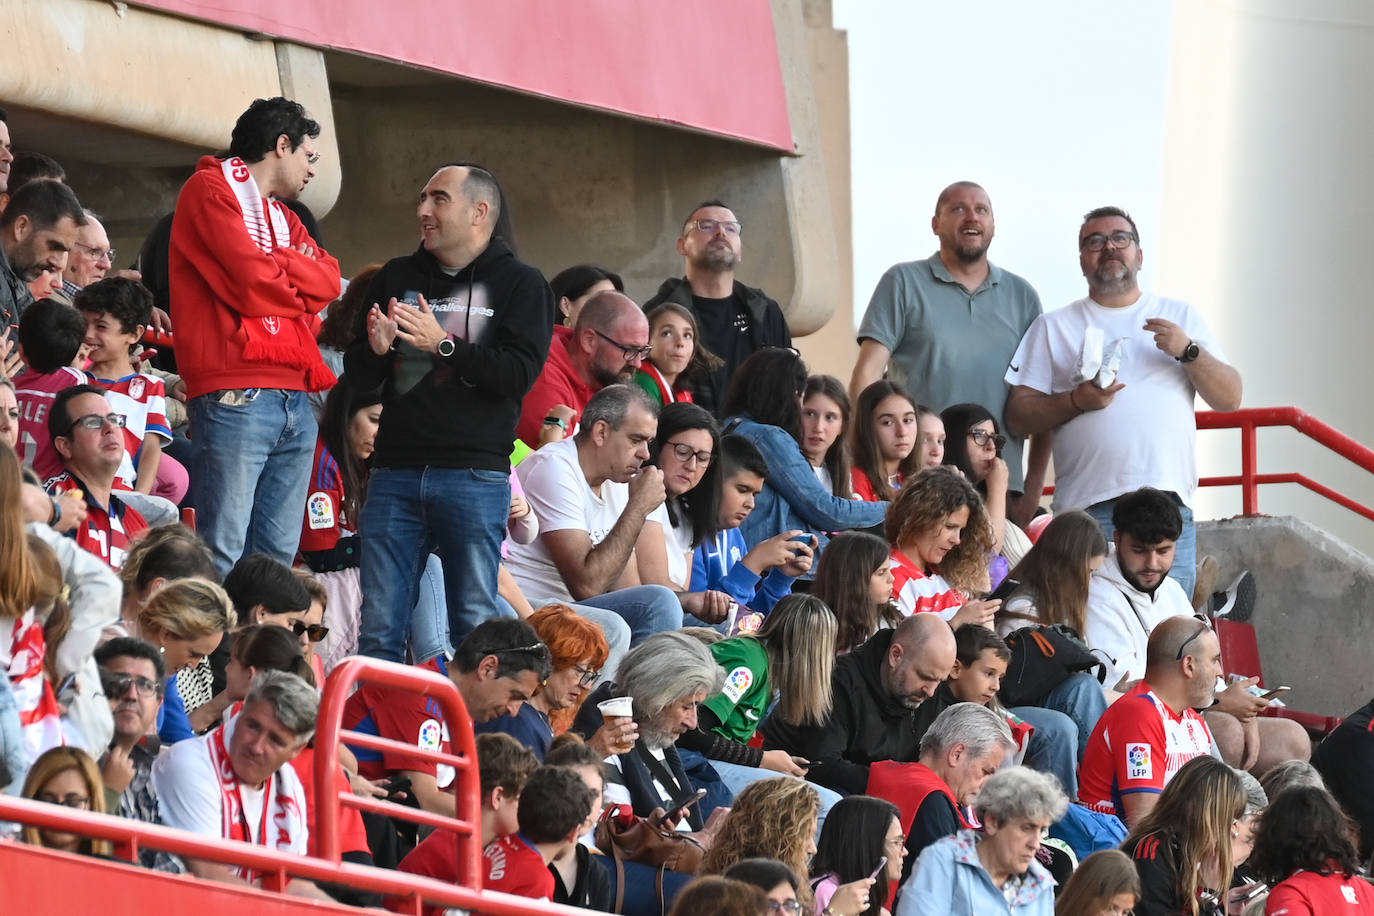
884	700
460	339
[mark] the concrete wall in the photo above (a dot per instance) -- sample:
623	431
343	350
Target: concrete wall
1312	616
1268	193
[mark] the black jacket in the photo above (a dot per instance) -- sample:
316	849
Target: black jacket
1345	759
14	298
458	411
865	723
767	328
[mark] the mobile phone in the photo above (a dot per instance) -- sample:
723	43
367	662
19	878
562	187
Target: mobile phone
677	804
1003	591
1259	888
1275	693
882	863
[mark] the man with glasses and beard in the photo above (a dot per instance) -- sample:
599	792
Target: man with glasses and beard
1135	428
736	321
606	346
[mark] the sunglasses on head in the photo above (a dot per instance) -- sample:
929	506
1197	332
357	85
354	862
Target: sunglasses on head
317	631
1205	625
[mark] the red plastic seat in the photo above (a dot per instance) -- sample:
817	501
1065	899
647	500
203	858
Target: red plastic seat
1240	655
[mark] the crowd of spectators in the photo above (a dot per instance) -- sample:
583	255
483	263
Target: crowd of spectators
685	588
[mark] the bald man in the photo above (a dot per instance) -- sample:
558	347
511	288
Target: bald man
884	700
1143	738
456	335
607	345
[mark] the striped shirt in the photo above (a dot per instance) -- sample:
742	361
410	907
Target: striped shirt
917	592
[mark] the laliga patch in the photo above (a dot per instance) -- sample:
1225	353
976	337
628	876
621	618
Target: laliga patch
736	683
319	509
431	735
1138	764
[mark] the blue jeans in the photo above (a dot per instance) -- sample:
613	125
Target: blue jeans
429	637
1080	697
1184	571
1053	746
251	471
460	513
648	609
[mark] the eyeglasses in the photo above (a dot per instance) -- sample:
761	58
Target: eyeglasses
117	685
317	631
631	353
686	453
311	157
1206	625
585	676
784	906
982	437
1097	241
94	421
709	226
67	801
99	254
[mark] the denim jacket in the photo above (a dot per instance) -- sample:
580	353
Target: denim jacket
792	497
950	880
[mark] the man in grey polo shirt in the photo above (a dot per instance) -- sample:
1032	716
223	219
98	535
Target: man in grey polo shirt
949	325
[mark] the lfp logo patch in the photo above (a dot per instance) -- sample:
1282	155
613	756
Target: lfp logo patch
737	683
319	510
1138	765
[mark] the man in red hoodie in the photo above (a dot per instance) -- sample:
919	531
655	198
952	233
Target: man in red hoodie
246	281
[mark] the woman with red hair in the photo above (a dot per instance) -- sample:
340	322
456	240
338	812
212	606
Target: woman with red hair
579	649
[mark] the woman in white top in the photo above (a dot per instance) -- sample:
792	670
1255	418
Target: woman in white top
825	433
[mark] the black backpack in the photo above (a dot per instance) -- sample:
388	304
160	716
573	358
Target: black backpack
1042	657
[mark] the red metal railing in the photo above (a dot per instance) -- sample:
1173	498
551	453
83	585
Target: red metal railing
129	836
1250	419
1249	479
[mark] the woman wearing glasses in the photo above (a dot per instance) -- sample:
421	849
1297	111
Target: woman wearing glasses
858	857
775	879
66	776
579	651
973	444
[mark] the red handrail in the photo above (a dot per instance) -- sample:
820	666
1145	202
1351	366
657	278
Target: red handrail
1248	420
327	866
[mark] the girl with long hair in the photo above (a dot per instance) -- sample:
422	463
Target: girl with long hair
66	776
1105	884
885	438
579	651
854	579
772	819
764	406
336	331
678	356
1182	847
790	659
573	286
1055	575
1306	851
941	541
930	441
825	429
857	835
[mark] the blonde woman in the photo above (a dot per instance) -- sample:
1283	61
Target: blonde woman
772	819
66	776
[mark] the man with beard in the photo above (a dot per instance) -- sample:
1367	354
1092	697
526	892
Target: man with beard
735	320
950	323
1132	594
37	230
605	346
882	706
1139	430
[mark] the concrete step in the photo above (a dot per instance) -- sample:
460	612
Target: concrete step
1313	614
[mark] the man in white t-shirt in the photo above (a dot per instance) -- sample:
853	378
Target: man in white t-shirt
595	499
1139	430
236	783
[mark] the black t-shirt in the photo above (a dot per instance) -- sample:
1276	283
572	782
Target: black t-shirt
726	331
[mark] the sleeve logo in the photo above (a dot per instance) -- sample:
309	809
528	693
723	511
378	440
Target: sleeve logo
737	683
319	509
1138	764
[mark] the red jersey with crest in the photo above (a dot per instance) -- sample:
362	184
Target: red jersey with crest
35	392
142	399
1138	746
108	530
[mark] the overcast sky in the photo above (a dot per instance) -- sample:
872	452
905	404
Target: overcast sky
1055	107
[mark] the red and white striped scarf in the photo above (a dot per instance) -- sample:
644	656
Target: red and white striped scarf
40	715
281	815
263	219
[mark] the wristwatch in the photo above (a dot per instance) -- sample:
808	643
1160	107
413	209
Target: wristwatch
447	346
1190	352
